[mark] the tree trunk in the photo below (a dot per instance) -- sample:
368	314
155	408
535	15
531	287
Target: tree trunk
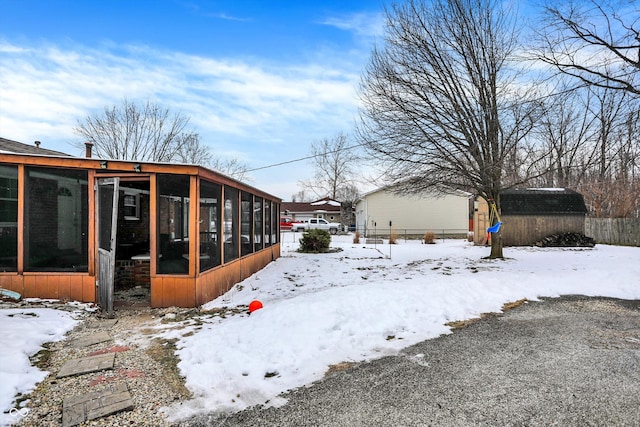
496	245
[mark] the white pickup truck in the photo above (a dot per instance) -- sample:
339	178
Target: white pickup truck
321	223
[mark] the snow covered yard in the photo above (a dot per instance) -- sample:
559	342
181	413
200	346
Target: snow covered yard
22	333
366	302
361	303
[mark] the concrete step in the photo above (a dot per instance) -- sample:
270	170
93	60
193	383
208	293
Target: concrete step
86	365
78	409
92	339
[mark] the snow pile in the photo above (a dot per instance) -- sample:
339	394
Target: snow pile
22	333
366	302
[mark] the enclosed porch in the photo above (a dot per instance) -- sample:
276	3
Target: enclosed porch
101	231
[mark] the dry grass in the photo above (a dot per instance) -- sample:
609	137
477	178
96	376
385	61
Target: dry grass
164	352
356	237
42	358
514	304
429	238
461	324
338	367
393	237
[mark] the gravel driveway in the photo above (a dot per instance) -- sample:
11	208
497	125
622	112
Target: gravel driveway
571	361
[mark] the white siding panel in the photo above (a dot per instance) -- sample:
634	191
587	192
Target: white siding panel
450	212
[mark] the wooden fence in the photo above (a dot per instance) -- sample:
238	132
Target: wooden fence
614	231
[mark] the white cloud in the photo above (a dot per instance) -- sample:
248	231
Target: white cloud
362	24
265	112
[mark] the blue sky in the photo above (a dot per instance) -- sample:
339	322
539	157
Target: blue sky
260	80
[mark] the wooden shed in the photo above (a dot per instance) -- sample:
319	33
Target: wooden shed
90	229
530	214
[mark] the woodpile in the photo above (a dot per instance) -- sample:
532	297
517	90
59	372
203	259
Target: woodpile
566	240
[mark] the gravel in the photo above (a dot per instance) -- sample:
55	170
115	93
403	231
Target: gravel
571	361
146	365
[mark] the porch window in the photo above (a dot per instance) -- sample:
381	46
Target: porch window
8	218
210	213
56	219
275	223
267	223
231	222
257	223
173	224
246	223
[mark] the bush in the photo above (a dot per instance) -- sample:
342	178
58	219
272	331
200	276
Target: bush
315	241
356	237
429	238
393	238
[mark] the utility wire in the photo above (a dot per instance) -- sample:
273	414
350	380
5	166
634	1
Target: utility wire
536	99
305	158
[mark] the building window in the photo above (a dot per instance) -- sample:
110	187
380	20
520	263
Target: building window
257	223
246	223
173	224
231	222
131	206
209	225
275	223
267	223
8	218
56	219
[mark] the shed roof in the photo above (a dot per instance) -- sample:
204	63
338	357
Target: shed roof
323	205
542	201
10	146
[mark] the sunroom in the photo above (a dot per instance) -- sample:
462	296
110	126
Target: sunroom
124	233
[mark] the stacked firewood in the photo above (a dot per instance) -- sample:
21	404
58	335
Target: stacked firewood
566	240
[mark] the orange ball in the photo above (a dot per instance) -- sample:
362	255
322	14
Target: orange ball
254	305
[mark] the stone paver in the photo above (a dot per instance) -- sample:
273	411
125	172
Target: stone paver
105	323
86	365
92	339
78	409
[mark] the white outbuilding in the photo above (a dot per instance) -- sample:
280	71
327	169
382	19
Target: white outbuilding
381	212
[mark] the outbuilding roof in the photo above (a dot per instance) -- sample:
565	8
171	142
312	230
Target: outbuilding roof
542	201
324	205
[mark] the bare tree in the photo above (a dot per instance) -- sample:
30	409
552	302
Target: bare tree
348	195
442	108
565	132
150	132
612	186
129	131
333	161
232	167
301	197
597	42
191	150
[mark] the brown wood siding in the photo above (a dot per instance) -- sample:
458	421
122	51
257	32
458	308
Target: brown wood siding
73	287
93	248
168	291
89	289
215	282
194	241
21	227
12	282
522	230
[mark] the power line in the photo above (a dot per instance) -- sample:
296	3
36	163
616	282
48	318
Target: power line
305	158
